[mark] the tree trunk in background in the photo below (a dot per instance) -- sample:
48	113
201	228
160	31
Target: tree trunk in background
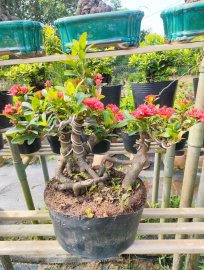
92	6
4	14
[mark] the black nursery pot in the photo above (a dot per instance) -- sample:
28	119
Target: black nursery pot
195	86
54	144
112	94
97	238
129	141
4	100
181	144
101	147
1	142
25	148
141	90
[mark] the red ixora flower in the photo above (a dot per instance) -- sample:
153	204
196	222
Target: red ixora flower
60	95
197	113
184	102
93	103
48	84
166	112
150	98
97	78
118	116
9	109
145	110
17	90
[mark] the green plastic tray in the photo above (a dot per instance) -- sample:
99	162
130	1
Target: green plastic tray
23	37
120	27
184	22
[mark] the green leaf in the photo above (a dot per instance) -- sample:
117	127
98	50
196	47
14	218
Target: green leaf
21	138
80	96
82	41
27	105
107	118
70	73
14	130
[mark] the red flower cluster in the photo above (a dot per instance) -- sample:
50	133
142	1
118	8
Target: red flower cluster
93	103
197	113
97	78
147	110
17	90
9	109
48	84
166	112
60	95
150	98
184	102
118	116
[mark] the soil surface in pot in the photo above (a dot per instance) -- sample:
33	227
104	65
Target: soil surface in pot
101	200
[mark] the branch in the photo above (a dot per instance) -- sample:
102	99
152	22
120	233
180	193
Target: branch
84	166
138	163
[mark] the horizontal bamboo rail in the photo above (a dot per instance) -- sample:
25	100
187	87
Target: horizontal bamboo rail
43	215
140	50
51	247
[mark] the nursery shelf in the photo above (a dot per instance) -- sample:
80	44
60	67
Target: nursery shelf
140	50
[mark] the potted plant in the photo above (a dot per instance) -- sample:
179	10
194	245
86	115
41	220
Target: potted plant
120	28
5	98
184	22
21	37
26	128
96	211
103	67
153	73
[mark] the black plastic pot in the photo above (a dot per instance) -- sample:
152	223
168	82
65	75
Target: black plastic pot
107	78
97	238
54	144
25	148
101	147
129	141
4	99
195	86
112	94
141	90
1	142
181	144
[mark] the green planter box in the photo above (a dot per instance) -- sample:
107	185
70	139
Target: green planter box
20	37
183	23
121	28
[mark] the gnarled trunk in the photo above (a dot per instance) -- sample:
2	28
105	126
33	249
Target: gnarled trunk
4	14
92	6
191	1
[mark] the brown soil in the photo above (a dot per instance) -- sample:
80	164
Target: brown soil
102	201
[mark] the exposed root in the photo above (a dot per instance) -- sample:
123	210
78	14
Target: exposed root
78	186
84	166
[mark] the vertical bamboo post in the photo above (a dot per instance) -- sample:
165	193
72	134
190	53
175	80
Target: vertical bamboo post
192	259
6	263
20	170
156	175
195	142
44	168
168	174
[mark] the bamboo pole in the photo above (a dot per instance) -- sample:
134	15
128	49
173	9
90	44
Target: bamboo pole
156	176
193	259
195	142
44	168
20	170
168	174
